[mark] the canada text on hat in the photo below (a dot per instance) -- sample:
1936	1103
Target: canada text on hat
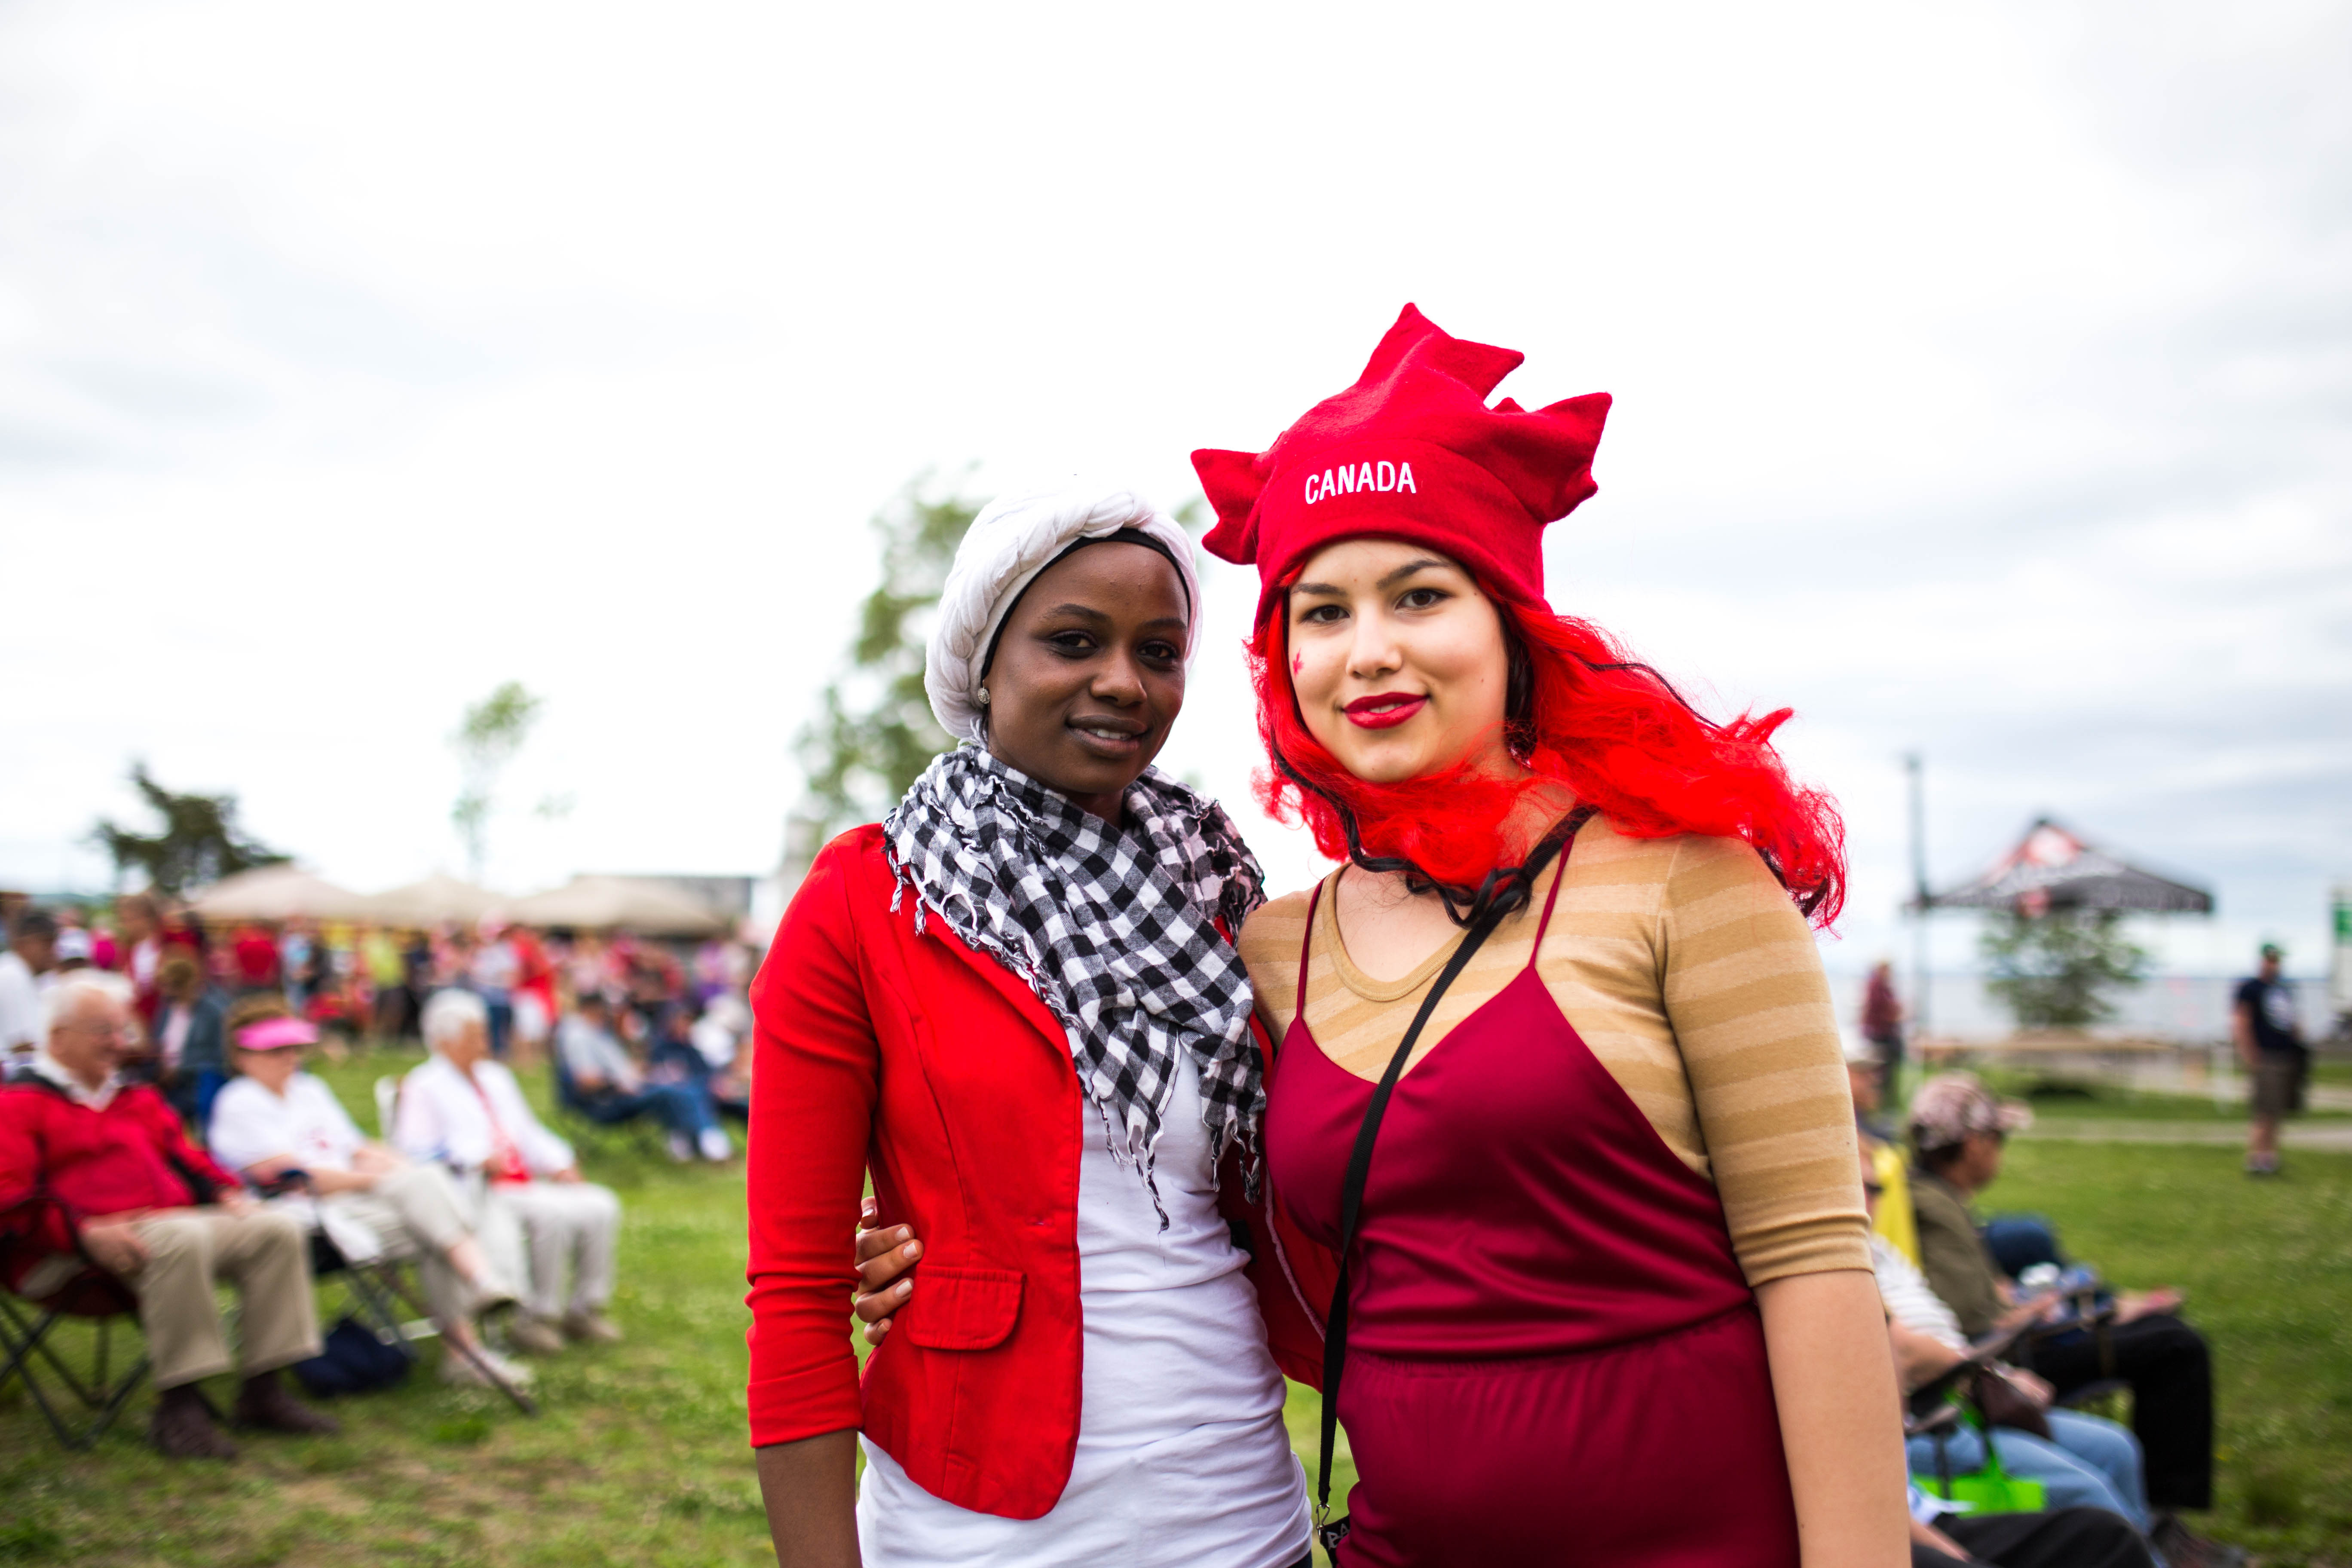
1411	451
1950	1108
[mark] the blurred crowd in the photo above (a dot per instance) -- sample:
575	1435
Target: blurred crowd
161	1137
637	1028
2006	1347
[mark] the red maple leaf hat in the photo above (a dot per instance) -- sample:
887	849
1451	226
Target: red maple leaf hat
1412	451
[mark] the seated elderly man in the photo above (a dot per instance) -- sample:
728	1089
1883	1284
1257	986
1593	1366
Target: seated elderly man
611	1088
1958	1129
466	1111
150	1208
276	1124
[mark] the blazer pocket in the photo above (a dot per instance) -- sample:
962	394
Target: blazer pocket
960	1309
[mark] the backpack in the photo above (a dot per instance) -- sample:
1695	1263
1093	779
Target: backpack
352	1361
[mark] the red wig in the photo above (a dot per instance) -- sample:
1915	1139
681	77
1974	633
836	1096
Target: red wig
1579	713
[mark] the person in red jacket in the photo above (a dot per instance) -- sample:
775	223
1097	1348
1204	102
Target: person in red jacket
1015	1002
96	1171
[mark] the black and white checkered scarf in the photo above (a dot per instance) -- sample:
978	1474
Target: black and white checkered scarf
1110	927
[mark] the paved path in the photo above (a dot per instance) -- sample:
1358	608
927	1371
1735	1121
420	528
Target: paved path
2333	1136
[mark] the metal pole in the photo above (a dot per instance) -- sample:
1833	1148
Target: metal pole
1913	766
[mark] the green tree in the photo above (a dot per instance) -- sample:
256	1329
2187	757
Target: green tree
201	841
873	733
2054	970
486	741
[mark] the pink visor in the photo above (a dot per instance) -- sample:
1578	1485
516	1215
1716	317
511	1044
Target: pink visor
271	1033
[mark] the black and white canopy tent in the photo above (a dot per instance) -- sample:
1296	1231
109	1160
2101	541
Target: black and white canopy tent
2052	868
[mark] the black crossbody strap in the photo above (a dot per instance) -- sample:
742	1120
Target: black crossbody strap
1360	1159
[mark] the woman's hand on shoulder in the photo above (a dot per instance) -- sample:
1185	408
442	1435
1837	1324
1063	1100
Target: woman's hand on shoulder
884	1253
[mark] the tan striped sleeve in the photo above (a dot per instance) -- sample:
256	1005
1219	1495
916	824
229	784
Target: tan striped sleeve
1750	1010
1269	946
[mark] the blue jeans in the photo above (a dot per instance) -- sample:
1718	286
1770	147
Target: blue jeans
682	1108
2092	1463
501	1012
2019	1241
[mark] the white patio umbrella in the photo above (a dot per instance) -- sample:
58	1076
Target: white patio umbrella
278	893
436	899
618	903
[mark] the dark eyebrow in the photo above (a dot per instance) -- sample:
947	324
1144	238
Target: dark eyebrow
1333	591
1089	613
1410	567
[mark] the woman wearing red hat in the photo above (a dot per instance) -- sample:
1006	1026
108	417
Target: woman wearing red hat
1559	1077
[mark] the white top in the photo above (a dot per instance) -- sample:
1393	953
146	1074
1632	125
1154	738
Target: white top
171	1039
494	969
20	1005
444	1118
144	958
1182	1457
1910	1299
250	1124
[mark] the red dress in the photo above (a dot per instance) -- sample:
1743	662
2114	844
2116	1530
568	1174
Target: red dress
1553	1354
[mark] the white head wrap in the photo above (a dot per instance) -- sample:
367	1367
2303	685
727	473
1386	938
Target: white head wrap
1016	537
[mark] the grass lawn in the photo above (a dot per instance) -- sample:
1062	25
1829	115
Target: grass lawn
640	1459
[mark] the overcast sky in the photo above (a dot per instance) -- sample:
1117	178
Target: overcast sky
1983	377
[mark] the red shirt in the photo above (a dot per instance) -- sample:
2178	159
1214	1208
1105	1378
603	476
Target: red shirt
132	1155
938	1071
257	958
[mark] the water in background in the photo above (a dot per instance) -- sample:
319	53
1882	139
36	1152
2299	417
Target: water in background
2193	1009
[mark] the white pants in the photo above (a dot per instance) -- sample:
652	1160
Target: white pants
562	1225
419	1212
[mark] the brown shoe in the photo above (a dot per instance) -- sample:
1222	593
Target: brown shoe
264	1405
534	1336
594	1328
184	1427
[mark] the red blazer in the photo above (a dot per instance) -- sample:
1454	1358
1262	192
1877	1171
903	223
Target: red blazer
133	1154
938	1071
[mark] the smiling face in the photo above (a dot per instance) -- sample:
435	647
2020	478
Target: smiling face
1089	674
90	1036
1398	660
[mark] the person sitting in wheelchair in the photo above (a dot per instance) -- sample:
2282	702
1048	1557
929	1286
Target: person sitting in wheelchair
283	1130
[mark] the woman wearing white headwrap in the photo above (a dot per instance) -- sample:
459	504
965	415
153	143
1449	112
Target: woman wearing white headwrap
1016	1002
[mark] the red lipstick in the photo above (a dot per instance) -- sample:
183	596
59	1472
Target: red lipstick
1385	711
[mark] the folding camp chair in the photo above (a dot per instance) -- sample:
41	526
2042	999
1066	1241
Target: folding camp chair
28	1339
380	1289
